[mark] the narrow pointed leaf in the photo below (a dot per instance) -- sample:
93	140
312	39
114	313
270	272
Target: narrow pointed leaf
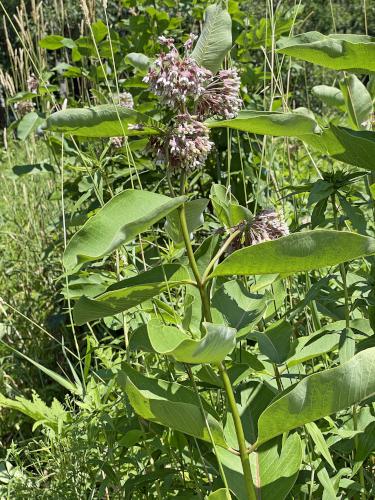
320	395
270	123
354	53
106	120
215	40
130	292
218	341
119	221
170	404
297	252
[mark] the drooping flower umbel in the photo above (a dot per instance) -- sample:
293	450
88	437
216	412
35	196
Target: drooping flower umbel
267	225
193	93
185	146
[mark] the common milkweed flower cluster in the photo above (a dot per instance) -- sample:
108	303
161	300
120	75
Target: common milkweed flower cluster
267	225
193	93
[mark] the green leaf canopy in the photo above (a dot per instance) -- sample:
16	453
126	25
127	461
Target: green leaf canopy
106	120
297	252
320	395
354	53
119	221
130	292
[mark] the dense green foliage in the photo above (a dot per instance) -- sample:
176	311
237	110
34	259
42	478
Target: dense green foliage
152	344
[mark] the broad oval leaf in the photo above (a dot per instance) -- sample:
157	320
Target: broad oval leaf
117	222
320	395
171	405
275	469
297	252
130	292
106	120
355	53
331	96
216	38
270	123
218	341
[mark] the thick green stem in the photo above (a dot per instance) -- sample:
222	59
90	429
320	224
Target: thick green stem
249	484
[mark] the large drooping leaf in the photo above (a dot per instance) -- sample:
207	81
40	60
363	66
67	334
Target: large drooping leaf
130	292
119	221
320	395
331	96
106	120
347	145
233	305
170	404
216	38
358	101
218	341
270	123
355	53
297	252
274	469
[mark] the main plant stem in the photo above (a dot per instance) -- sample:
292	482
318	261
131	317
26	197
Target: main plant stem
206	309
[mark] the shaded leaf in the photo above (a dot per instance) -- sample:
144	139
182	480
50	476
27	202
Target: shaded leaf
130	292
169	404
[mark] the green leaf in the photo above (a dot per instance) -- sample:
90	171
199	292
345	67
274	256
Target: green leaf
331	96
297	252
274	471
358	101
215	40
270	123
355	53
106	120
221	494
130	292
116	223
312	346
233	305
194	218
347	145
218	341
51	42
99	30
320	395
170	404
28	124
320	442
275	341
139	61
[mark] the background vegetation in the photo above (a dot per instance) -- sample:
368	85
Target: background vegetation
66	430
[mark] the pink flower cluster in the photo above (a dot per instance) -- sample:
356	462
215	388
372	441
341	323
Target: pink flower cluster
186	146
267	225
175	79
194	94
221	95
